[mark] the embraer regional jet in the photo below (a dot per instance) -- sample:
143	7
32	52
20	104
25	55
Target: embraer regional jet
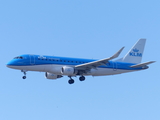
57	67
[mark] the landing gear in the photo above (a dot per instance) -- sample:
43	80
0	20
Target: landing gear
71	81
82	78
24	77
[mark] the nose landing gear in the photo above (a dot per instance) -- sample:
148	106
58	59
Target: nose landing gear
24	77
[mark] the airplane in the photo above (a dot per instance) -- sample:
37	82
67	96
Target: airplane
56	67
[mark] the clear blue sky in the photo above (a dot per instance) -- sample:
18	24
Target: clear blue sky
85	29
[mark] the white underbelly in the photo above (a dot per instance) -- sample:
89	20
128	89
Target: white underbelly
52	68
106	71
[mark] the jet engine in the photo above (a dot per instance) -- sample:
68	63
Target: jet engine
52	76
70	71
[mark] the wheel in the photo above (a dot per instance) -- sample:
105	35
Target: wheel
82	78
71	81
24	77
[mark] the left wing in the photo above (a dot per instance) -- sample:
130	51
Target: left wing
95	64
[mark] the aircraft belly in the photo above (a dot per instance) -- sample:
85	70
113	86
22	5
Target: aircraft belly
101	71
36	68
55	69
106	71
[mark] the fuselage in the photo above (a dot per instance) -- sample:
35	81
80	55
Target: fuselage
54	64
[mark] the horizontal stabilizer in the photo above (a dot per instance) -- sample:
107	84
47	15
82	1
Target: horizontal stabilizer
142	64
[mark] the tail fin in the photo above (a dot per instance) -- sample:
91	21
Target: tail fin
136	52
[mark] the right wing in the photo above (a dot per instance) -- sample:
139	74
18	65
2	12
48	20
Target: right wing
97	63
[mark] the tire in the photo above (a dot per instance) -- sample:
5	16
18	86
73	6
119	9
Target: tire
82	78
71	81
24	77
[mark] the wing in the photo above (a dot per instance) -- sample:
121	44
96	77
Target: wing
95	64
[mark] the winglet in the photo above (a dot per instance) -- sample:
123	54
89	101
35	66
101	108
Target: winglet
116	54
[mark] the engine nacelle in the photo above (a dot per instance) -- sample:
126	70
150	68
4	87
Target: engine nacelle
52	76
70	71
55	70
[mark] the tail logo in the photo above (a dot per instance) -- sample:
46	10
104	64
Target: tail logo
135	52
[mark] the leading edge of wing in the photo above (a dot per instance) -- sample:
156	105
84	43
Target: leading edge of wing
97	63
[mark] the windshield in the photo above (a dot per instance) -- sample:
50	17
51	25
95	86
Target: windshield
19	57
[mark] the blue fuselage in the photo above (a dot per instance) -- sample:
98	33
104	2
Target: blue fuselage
36	60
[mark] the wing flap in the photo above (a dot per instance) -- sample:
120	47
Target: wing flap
95	64
142	64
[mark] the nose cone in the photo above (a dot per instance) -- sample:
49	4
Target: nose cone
10	64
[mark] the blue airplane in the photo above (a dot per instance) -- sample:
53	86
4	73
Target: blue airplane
56	67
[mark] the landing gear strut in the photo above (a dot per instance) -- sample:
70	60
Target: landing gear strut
24	77
71	81
82	78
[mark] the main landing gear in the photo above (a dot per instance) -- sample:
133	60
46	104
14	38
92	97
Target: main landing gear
71	81
24	77
82	78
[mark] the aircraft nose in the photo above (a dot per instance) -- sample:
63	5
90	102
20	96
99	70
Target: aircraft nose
9	64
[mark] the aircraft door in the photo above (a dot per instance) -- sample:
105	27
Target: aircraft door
32	59
114	66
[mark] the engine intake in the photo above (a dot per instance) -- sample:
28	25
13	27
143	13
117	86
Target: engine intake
52	76
68	71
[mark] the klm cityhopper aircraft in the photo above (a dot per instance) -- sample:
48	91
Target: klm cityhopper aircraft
57	67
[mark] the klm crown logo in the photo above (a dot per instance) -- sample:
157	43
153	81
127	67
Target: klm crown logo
135	52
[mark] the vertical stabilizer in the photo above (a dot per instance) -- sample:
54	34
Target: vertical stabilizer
136	52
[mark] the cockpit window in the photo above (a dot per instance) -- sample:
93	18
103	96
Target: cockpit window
19	57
